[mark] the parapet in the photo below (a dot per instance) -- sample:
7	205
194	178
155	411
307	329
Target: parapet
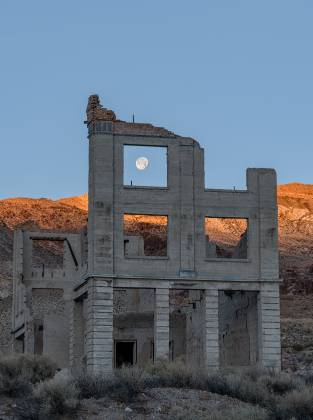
100	119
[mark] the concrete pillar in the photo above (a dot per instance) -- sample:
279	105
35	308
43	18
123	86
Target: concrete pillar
268	224
100	200
100	326
269	326
211	338
18	286
187	227
161	324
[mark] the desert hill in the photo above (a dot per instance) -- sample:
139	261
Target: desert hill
295	218
66	214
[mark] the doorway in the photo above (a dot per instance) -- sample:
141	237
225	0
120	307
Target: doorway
125	353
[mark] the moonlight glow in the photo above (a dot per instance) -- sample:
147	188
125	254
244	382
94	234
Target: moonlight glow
142	163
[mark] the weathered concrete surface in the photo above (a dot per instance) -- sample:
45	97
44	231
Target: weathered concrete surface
238	328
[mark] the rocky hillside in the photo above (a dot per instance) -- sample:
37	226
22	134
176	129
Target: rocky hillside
296	237
70	214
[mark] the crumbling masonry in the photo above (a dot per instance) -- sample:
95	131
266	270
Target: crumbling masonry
155	274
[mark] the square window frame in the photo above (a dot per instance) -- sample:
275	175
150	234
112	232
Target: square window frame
145	257
229	260
34	241
144	187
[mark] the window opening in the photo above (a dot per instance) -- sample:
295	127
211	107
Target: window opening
145	166
226	237
145	235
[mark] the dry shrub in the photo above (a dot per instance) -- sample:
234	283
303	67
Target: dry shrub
94	386
281	383
296	405
27	408
124	385
308	378
129	383
262	388
254	373
240	387
56	398
51	399
175	374
245	386
19	372
15	385
255	386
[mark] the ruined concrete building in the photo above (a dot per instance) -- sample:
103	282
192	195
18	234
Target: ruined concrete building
166	268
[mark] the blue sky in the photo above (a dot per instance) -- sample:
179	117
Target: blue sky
235	75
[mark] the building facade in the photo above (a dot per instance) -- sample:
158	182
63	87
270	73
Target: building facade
166	268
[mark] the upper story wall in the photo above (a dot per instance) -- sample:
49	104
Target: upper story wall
185	202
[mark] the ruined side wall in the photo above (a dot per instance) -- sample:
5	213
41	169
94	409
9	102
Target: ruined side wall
77	350
177	336
194	334
238	328
49	309
186	325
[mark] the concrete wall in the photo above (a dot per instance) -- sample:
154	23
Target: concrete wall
42	296
186	202
238	328
186	308
133	300
50	310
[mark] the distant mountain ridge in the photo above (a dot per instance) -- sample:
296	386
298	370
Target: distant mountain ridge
64	214
295	208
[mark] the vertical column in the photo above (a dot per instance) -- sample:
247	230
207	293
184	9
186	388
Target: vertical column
161	324
211	337
18	286
100	202
100	326
269	326
268	224
187	227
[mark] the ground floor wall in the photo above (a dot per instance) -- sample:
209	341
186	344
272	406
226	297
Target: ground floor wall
220	326
46	327
238	328
104	327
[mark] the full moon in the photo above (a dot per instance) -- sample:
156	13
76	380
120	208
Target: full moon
142	163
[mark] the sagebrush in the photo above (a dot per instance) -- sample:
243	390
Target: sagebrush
270	395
